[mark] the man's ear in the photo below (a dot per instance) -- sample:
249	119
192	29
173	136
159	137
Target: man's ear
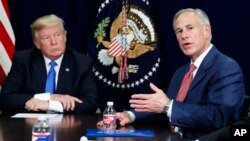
208	31
36	44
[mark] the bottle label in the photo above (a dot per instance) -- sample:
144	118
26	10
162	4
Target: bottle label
40	136
109	121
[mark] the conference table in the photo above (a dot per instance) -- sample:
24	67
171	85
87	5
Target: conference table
73	127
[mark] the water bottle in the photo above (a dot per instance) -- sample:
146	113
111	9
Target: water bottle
109	118
41	130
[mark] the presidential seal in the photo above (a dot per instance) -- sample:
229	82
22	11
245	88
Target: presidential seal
126	45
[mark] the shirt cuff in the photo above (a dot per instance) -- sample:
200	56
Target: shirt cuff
169	113
55	106
42	96
132	115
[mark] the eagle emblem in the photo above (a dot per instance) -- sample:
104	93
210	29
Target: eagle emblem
131	35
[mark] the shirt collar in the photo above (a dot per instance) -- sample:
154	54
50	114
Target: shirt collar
198	61
58	61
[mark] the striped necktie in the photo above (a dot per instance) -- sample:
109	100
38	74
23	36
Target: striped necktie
185	84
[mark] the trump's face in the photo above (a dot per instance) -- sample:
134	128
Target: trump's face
192	34
51	41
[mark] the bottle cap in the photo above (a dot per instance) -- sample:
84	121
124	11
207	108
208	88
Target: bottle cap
41	118
110	103
83	138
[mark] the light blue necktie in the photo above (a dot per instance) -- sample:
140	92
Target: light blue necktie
51	79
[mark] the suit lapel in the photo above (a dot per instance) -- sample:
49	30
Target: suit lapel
39	72
197	77
64	76
205	65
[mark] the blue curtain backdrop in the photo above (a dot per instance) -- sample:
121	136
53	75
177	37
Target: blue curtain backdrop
230	22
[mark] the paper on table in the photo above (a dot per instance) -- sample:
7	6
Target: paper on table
33	115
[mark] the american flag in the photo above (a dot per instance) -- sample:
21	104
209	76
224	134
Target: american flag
117	47
7	41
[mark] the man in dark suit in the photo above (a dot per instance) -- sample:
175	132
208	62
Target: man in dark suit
74	90
215	96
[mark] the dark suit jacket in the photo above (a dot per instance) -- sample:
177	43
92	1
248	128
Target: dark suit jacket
214	99
28	77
